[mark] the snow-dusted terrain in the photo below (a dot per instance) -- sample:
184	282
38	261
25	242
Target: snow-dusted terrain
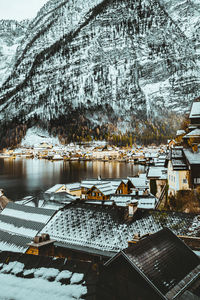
35	136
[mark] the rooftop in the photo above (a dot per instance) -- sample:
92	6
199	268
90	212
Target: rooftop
195	110
192	157
159	259
193	134
157	172
104	228
19	224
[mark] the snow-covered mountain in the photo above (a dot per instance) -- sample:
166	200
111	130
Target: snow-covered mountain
90	62
11	35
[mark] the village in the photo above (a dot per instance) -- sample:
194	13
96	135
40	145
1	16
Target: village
107	238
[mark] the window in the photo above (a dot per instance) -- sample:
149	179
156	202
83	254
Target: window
99	194
93	194
184	180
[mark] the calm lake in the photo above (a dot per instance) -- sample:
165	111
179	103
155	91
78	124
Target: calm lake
22	177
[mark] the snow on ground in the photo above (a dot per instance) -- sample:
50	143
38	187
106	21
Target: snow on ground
17	288
35	136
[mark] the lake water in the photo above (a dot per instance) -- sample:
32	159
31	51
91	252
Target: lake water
22	177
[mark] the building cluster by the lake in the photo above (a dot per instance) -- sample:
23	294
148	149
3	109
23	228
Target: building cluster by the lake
113	238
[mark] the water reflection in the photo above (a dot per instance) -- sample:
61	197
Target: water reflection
22	177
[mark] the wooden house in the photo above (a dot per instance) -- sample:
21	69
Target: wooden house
102	189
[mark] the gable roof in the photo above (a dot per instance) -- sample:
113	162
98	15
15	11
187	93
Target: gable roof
159	258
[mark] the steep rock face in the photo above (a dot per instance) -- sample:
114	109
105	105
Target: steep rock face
11	35
108	61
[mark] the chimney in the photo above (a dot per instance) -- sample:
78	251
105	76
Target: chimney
41	245
136	238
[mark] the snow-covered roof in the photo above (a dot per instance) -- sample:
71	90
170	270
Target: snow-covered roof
31	277
55	188
103	229
195	111
139	182
193	133
157	172
73	186
192	157
180	132
147	203
107	187
19	224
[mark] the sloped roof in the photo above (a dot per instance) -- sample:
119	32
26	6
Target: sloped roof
31	277
105	228
195	110
73	186
147	202
157	172
54	188
19	224
194	133
138	182
159	257
192	157
179	164
180	132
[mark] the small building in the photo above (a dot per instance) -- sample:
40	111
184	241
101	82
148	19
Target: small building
63	193
157	175
102	189
178	171
158	266
139	182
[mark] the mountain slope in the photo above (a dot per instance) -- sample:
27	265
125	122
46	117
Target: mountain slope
11	35
93	62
